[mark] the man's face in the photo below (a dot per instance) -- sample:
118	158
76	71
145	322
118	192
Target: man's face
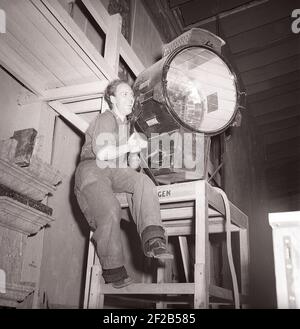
123	99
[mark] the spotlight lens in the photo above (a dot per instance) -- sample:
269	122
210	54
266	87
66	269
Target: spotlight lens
201	89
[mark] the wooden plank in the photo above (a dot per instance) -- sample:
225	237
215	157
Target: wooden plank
85	106
285	149
130	58
282	135
276	91
99	13
79	37
273	83
267	54
261	36
74	119
268	165
244	261
69	93
15	64
68	37
271	71
292	144
150	288
57	41
279	125
112	44
31	60
185	256
276	103
256	16
86	89
101	16
282	114
30	36
202	261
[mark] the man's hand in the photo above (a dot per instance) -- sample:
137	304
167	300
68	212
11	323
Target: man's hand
134	160
136	143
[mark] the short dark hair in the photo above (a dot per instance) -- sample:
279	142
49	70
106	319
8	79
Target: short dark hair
111	90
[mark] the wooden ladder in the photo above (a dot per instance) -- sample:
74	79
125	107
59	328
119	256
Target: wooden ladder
190	208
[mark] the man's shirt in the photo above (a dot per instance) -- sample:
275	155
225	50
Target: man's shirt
106	129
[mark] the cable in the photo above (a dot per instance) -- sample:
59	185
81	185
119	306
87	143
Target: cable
229	248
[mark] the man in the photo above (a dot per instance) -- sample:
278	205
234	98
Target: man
103	171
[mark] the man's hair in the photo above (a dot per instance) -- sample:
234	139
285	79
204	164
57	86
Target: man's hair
111	90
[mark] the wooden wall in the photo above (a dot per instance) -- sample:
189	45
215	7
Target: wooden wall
66	242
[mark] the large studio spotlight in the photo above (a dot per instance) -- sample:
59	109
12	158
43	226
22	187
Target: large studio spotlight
191	89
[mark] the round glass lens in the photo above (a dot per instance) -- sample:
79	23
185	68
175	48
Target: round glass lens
201	89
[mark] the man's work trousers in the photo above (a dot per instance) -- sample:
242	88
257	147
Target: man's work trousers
95	188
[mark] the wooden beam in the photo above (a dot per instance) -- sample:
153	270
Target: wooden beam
269	53
282	135
30	59
276	103
273	83
256	16
80	91
112	44
85	106
227	13
261	36
280	125
49	30
281	172
284	113
276	91
283	150
74	119
78	36
16	66
130	57
30	35
269	165
99	13
271	71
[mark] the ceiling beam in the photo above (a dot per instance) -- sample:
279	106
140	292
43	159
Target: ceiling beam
276	103
280	125
269	54
283	114
282	135
269	165
260	37
273	83
272	92
283	150
270	71
227	13
262	14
